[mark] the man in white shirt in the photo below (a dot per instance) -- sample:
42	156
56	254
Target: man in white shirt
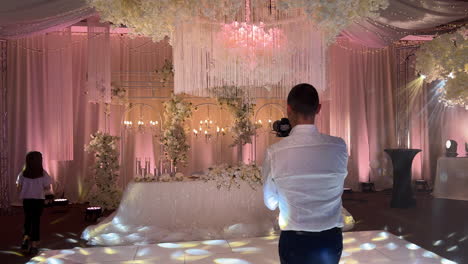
304	175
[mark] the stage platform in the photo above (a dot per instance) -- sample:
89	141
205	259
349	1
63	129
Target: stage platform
366	247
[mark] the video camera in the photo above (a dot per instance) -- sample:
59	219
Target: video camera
282	127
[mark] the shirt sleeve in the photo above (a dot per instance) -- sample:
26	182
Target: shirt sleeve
47	180
19	179
270	192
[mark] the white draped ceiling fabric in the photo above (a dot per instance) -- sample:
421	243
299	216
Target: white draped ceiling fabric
23	18
405	17
49	109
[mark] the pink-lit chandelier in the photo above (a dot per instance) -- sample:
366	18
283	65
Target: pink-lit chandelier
265	54
249	40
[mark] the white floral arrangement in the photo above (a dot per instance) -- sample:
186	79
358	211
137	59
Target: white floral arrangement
174	137
445	58
104	190
236	102
158	19
179	176
146	178
227	176
118	95
166	73
332	16
166	177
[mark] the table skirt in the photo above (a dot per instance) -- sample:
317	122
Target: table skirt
452	178
152	212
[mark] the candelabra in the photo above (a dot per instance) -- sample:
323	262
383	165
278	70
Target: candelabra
207	130
260	122
141	126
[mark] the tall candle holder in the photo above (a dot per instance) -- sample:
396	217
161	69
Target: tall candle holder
138	166
147	166
161	166
172	168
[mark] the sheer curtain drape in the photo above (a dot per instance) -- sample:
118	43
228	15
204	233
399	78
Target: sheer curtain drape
99	71
24	18
361	81
49	110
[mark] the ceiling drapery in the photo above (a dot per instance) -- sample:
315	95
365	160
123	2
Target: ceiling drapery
21	18
405	17
24	18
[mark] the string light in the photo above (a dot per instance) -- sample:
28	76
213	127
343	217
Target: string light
366	51
94	35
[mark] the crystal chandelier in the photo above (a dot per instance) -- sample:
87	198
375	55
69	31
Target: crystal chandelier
250	40
265	54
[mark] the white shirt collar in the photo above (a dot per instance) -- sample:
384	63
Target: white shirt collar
304	129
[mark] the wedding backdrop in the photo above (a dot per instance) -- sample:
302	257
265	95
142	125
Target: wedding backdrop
173	102
52	78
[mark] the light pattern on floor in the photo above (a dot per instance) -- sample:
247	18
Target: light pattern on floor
376	247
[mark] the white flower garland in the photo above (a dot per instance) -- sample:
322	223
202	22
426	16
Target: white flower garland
236	102
166	177
166	73
158	19
445	58
104	191
176	112
118	95
227	176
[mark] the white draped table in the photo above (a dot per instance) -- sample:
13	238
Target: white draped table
452	178
152	212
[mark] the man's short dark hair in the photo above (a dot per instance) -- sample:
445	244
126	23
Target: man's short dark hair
304	99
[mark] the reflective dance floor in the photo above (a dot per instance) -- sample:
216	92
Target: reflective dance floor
366	247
